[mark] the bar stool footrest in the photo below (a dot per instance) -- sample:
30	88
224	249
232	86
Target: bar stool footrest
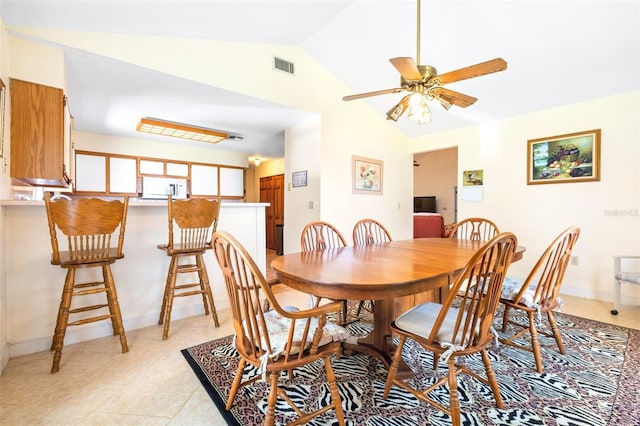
89	320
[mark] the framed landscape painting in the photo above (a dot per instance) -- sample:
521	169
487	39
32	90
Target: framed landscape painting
574	157
367	176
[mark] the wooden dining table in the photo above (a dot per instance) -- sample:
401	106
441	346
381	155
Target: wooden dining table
397	275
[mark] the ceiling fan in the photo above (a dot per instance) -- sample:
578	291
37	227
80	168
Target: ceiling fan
424	83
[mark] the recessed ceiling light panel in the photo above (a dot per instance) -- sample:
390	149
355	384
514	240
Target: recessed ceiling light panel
180	130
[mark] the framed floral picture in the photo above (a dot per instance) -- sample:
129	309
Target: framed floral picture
574	157
367	175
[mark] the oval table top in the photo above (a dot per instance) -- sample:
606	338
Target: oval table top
376	271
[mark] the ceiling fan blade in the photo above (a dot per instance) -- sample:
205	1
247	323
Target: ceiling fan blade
369	94
407	68
452	97
483	68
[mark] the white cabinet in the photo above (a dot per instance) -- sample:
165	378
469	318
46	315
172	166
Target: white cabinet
123	175
91	173
99	173
231	182
204	180
151	167
177	169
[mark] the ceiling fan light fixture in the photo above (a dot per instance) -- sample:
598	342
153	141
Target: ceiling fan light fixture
445	104
399	109
179	130
395	112
418	109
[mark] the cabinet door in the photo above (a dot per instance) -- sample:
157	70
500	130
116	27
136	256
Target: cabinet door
151	167
177	169
91	173
123	176
231	182
204	180
37	134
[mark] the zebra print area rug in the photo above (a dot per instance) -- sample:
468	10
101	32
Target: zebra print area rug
595	383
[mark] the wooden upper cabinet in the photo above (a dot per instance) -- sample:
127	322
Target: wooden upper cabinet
37	134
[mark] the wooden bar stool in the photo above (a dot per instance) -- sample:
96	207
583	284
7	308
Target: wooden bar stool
88	225
192	223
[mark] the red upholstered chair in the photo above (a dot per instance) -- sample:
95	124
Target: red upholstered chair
428	225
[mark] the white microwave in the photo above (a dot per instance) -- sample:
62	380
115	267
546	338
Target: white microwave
161	188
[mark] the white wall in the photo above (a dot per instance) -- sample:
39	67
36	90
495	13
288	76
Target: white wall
354	129
607	211
26	60
301	204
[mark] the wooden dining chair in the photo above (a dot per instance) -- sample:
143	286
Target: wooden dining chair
474	228
276	340
365	232
370	231
448	228
453	330
321	235
93	230
538	294
192	223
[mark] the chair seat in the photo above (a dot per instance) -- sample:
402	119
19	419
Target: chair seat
420	319
179	248
278	330
511	288
628	277
67	258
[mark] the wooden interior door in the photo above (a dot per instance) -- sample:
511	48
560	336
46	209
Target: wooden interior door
272	192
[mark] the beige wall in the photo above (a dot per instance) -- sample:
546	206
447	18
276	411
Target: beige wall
608	211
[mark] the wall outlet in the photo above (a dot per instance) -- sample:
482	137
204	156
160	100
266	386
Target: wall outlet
574	260
312	205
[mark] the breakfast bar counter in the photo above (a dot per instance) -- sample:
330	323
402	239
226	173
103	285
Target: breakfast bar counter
34	285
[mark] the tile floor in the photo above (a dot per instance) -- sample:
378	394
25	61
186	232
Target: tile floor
152	383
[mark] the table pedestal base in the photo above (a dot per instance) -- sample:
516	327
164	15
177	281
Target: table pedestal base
379	343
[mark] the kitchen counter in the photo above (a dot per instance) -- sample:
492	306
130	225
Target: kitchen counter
34	286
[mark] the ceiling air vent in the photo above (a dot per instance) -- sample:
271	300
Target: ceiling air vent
283	65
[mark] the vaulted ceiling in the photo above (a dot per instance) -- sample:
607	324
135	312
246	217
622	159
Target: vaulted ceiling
558	52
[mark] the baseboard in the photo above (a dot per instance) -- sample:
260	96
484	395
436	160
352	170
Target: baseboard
4	357
92	331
